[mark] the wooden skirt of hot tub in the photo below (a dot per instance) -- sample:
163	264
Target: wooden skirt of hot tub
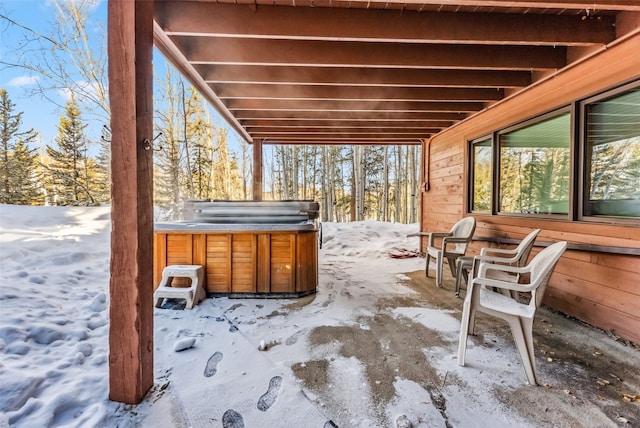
265	264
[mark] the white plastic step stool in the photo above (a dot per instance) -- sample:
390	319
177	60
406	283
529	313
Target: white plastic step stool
193	294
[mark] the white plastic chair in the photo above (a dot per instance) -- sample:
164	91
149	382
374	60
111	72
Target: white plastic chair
515	257
454	245
518	315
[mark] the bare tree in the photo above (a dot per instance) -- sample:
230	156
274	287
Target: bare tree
355	182
67	60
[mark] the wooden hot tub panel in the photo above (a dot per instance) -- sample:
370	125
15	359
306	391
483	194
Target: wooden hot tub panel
244	262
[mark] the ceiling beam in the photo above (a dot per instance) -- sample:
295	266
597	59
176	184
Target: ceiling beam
346	138
353	106
243	91
216	50
258	131
326	124
327	142
176	57
347	115
379	25
535	4
292	75
343	135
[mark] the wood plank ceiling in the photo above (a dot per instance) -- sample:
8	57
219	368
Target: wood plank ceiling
371	72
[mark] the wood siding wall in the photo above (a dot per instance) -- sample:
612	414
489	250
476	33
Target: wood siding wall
601	289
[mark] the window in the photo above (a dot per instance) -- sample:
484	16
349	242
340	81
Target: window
612	155
481	183
534	167
528	169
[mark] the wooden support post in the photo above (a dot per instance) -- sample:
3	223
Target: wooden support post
130	43
257	170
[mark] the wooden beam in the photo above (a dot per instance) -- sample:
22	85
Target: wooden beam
372	128
172	53
576	246
348	115
353	136
319	124
242	91
526	4
337	105
293	75
219	50
374	25
130	43
257	170
348	137
326	142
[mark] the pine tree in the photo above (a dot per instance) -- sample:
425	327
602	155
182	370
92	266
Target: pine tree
102	180
25	179
16	183
70	169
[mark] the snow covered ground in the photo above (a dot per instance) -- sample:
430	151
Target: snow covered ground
340	357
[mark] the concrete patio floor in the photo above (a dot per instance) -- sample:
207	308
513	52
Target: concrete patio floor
583	370
403	346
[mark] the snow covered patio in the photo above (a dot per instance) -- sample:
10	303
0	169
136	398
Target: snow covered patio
376	348
376	345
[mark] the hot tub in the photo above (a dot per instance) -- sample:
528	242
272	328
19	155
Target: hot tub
248	248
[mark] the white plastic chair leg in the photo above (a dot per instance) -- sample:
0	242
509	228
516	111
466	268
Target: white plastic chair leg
527	329
472	322
464	330
452	265
439	270
521	344
426	268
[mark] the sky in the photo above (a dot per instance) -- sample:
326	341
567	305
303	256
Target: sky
39	113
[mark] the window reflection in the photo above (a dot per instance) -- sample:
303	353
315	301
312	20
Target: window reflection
535	167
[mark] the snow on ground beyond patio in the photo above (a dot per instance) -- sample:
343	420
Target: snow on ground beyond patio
54	275
54	279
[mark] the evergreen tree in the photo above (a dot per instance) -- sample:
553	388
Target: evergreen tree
17	162
102	179
70	169
25	180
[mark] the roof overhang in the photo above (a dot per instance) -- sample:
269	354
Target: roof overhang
374	72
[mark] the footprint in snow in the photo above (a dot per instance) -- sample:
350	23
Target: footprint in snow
269	397
291	340
232	419
212	364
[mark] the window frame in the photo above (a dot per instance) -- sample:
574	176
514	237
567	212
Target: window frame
584	160
579	161
471	179
497	159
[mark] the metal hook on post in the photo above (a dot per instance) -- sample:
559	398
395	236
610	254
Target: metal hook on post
148	145
106	134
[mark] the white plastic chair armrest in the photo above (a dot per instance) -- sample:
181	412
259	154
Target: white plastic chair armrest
484	267
479	259
433	235
453	240
502	284
493	259
485	250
